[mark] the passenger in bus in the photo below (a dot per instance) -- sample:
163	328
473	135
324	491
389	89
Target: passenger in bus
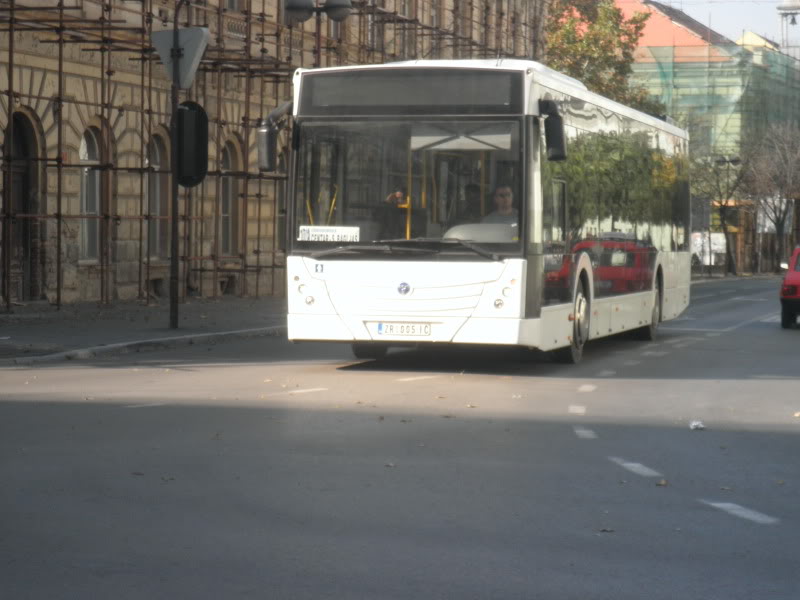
471	209
504	211
391	221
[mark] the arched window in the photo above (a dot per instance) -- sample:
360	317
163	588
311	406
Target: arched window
228	240
89	155
158	198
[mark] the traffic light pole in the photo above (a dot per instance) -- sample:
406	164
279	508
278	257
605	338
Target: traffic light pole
174	263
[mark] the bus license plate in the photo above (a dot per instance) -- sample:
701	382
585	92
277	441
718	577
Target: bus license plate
404	329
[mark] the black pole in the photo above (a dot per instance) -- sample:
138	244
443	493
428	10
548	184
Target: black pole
176	53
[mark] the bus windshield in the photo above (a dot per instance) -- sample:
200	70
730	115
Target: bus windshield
410	182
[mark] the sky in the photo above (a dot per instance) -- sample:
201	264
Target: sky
731	17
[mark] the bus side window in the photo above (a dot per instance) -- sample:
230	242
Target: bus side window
554	211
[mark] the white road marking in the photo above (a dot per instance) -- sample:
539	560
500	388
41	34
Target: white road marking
772	319
657	353
585	434
587	388
632	363
634	467
574	409
308	391
744	513
607	373
420	378
152	405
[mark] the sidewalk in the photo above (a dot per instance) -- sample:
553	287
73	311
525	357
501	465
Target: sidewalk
36	331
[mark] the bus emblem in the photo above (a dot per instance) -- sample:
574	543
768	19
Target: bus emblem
403	288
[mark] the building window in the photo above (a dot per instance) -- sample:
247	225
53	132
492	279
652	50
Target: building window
89	155
227	236
158	198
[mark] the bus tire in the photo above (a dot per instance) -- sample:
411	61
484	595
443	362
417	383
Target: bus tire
366	351
581	312
649	332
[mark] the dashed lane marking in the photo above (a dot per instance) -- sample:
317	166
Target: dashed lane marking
419	378
587	388
149	405
584	434
634	467
307	391
607	373
575	409
743	513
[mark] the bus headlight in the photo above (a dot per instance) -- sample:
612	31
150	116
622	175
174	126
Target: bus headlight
507	292
498	303
309	300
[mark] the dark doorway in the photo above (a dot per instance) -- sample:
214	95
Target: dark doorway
24	244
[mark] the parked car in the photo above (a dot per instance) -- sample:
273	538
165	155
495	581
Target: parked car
790	291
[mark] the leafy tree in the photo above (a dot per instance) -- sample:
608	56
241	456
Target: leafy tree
592	41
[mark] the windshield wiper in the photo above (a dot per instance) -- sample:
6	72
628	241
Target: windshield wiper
381	247
447	242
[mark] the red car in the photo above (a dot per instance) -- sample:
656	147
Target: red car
790	291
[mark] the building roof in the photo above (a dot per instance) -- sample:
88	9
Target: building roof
681	18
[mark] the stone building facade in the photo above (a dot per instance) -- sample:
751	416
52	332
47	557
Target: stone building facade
84	122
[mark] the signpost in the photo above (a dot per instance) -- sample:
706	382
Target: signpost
181	50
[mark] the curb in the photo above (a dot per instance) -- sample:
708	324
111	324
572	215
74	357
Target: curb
147	345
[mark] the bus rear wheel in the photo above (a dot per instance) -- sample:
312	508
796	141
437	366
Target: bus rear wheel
649	332
366	351
573	353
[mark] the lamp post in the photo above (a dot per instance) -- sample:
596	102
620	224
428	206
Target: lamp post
299	11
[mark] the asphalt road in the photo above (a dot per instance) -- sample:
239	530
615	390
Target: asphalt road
261	469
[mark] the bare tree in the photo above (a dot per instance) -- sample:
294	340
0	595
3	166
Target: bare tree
719	179
773	177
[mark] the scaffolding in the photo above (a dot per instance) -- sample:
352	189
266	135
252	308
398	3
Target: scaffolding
84	113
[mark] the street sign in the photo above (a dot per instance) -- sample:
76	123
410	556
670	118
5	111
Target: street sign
192	41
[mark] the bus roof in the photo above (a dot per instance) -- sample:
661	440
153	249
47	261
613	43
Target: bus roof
534	72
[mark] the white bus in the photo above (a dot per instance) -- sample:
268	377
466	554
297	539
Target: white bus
477	202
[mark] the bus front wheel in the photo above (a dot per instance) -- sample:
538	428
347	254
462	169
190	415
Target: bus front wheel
573	353
366	351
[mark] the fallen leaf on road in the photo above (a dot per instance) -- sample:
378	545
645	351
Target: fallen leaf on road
606	530
471	406
390	465
662	483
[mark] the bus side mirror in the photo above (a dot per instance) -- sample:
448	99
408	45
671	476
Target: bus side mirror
554	137
267	142
267	138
